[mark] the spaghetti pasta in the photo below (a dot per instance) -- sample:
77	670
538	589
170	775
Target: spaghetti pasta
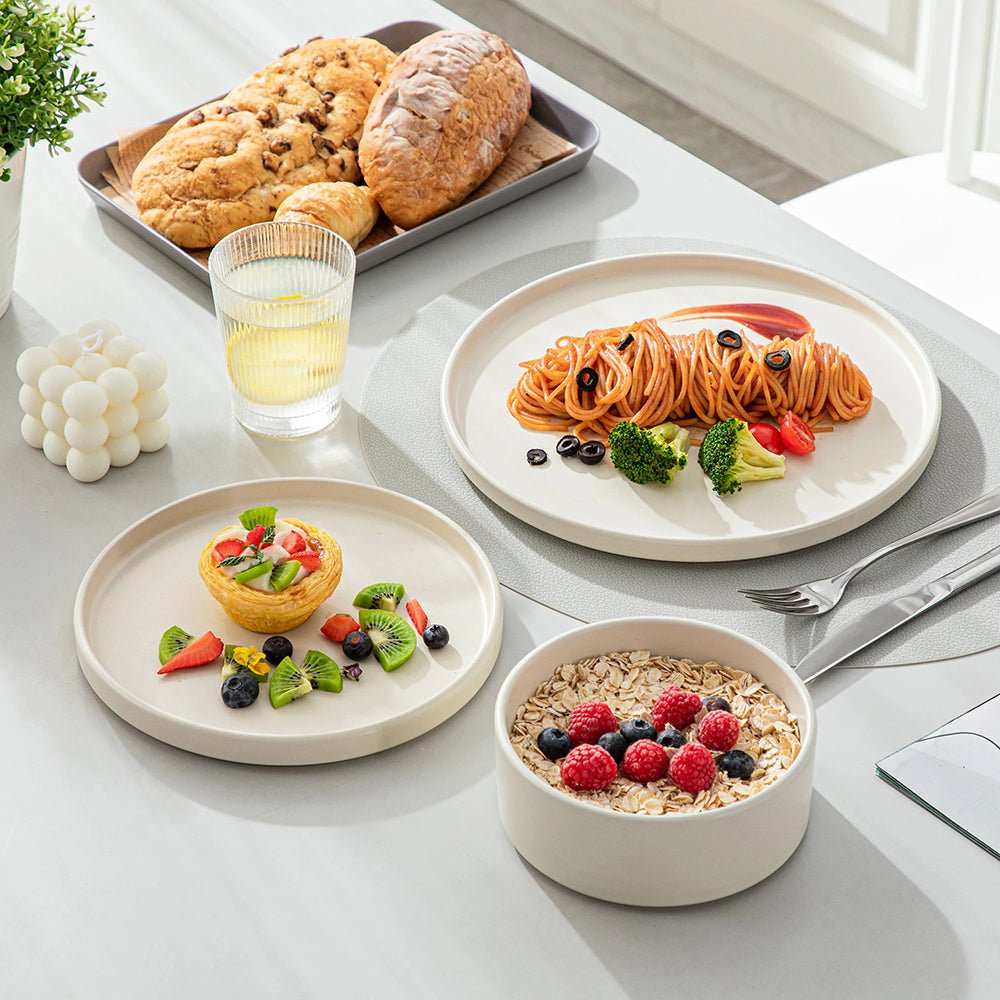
650	377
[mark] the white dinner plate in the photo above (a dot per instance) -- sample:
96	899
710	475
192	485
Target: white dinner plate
856	472
147	580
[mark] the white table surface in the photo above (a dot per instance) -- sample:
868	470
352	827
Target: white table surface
130	869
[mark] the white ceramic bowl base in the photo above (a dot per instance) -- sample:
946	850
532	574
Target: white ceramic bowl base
147	580
856	473
671	860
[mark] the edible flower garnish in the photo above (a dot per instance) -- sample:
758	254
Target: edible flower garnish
352	671
251	658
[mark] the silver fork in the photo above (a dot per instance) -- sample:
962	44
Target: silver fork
819	596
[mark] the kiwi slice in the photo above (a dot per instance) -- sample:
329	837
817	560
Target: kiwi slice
258	515
284	575
229	666
385	596
173	641
322	672
287	683
253	572
393	640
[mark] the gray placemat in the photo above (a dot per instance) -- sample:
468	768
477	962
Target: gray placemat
405	449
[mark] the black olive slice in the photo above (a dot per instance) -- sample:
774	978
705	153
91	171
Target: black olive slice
567	445
591	453
729	338
778	361
536	456
627	342
587	379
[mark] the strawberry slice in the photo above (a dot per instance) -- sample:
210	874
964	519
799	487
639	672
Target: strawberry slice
230	547
310	560
205	649
256	535
339	627
293	542
417	615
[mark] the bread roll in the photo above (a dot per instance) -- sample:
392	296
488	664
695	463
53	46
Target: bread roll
232	162
349	210
444	117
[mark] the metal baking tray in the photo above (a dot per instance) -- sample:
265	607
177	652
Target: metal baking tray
546	109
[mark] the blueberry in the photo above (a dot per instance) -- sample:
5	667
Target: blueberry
356	645
615	744
671	738
240	690
567	445
536	456
716	703
436	637
736	764
591	453
554	743
276	649
638	729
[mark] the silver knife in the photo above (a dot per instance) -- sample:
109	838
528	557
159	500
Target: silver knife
882	620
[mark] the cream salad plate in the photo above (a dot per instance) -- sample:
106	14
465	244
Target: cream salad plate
146	580
857	471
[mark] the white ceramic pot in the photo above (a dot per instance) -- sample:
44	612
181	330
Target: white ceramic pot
10	222
644	860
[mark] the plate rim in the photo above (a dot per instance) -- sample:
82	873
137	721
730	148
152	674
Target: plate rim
699	550
257	748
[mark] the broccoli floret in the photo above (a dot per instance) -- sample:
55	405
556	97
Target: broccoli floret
648	455
732	456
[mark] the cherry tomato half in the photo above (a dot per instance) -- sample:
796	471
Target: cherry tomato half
797	434
768	436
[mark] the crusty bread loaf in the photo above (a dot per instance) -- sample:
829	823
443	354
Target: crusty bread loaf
349	210
444	117
232	162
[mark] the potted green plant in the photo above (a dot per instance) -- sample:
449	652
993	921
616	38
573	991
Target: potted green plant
42	89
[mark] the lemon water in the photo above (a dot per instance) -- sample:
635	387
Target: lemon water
285	351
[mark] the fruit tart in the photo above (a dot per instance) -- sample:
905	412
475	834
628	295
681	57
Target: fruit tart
270	574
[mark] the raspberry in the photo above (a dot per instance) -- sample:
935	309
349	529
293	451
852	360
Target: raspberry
719	730
590	720
645	761
588	768
676	706
692	768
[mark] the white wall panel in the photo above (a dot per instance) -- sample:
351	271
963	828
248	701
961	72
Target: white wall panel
832	85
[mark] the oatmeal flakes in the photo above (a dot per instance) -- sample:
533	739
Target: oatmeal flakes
630	683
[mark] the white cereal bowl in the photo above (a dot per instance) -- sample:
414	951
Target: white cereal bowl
640	860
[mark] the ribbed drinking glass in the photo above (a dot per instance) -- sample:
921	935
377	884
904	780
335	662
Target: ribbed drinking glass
282	294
